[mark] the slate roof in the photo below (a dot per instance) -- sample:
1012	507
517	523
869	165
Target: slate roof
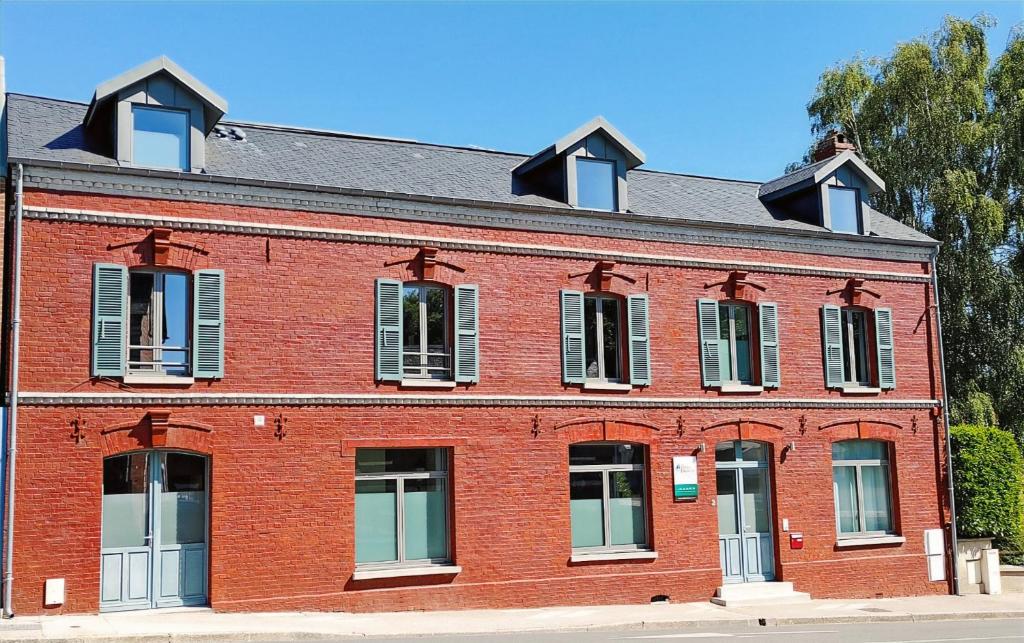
796	176
50	130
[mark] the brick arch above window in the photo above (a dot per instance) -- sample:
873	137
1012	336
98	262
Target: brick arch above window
607	430
156	429
744	429
861	429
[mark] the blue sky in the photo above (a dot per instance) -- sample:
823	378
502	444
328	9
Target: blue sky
715	89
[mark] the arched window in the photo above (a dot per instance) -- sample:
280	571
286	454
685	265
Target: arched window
607	497
861	485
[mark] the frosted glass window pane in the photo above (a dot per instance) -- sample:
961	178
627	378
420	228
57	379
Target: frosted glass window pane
595	184
755	501
426	533
875	482
125	500
728	523
160	138
183	499
845	485
845	209
376	521
586	507
626	507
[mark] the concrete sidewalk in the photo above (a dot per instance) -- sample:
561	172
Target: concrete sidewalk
205	625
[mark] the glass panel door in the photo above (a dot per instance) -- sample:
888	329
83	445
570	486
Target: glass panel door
745	540
155	531
729	541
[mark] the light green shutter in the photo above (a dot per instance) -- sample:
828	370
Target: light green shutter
389	330
832	343
572	337
884	346
208	323
109	319
769	314
639	340
708	329
467	335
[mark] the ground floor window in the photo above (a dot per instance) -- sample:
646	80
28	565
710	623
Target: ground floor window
861	485
401	506
607	496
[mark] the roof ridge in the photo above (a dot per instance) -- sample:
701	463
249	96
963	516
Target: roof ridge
49	98
698	176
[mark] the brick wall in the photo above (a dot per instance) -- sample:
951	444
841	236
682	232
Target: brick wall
302	321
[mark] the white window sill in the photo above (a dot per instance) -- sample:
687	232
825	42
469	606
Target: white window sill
425	383
740	388
400	572
607	386
867	541
860	390
170	380
616	555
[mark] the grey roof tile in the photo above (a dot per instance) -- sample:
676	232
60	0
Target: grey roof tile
51	130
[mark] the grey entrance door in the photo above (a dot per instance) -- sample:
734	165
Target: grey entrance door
744	512
155	525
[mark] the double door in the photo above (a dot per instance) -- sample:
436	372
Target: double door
744	515
155	530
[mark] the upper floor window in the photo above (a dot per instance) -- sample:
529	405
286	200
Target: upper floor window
426	350
855	347
158	326
844	209
861	486
859	348
607	501
426	334
602	354
596	184
734	343
160	138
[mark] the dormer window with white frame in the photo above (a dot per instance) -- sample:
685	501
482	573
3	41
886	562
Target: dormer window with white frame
586	169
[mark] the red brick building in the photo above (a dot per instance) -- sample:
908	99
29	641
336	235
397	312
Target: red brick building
269	368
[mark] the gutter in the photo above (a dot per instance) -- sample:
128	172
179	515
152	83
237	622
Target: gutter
12	418
945	412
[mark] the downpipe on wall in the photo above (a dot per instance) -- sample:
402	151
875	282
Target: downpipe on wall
12	416
945	415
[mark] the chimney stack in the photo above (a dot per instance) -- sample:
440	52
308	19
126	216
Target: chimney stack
834	143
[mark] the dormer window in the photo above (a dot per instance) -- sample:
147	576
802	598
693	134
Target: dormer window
595	184
587	169
160	138
844	206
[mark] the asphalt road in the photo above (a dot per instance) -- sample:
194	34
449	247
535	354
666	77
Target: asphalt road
921	632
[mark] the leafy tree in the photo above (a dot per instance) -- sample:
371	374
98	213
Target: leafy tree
945	129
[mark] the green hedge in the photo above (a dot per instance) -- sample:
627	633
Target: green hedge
988	482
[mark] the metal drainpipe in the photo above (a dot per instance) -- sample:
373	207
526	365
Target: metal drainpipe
945	412
12	417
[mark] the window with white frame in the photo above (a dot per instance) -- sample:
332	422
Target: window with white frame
735	343
159	320
607	497
856	367
861	486
160	137
602	345
402	512
426	349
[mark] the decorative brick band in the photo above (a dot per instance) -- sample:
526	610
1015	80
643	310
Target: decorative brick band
372	399
468	245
